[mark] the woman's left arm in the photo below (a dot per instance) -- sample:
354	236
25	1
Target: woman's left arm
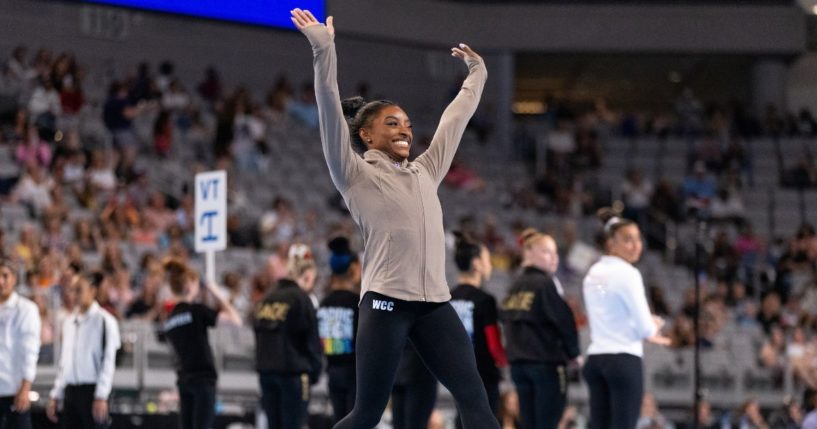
437	159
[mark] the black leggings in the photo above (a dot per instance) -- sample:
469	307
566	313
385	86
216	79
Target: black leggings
437	333
414	393
341	388
616	384
285	398
197	401
542	391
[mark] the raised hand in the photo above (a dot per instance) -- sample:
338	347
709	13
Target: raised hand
465	53
304	18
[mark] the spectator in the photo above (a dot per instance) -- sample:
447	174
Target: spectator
175	100
651	417
163	134
45	99
810	408
210	88
770	310
118	114
750	417
100	173
34	190
305	109
33	150
727	206
698	190
635	193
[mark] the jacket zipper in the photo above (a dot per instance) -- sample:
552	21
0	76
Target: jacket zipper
422	237
74	359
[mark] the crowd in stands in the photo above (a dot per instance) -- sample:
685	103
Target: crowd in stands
78	160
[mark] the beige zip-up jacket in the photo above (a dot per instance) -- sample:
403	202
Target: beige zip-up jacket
395	204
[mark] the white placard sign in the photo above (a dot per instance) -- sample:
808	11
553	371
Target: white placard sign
211	211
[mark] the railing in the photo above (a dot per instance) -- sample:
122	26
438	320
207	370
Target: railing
144	375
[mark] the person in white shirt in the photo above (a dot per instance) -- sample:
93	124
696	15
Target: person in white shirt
44	99
620	320
90	338
19	349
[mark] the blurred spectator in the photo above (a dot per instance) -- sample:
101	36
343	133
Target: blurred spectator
210	88
698	189
118	115
304	109
163	134
727	206
101	173
45	99
34	190
635	194
461	177
749	416
810	408
175	99
651	417
770	309
33	151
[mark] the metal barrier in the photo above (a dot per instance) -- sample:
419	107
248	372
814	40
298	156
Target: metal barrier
145	377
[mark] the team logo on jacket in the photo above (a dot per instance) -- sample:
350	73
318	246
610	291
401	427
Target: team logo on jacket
520	301
379	304
275	311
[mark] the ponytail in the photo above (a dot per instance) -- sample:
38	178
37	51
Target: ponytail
465	251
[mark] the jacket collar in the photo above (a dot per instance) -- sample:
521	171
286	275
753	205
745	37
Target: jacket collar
378	155
287	283
91	310
533	270
12	301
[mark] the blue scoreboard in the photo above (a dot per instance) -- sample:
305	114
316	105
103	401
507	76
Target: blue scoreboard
271	13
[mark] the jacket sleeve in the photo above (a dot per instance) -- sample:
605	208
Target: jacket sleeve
437	159
30	327
112	343
636	299
314	347
58	390
343	163
493	335
560	314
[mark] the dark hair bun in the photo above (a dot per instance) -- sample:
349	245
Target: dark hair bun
606	213
459	236
339	245
351	106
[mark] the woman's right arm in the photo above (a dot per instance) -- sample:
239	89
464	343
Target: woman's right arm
636	298
342	161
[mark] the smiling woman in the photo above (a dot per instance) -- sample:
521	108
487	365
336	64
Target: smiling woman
394	202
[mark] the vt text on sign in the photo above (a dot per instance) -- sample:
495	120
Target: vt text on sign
211	211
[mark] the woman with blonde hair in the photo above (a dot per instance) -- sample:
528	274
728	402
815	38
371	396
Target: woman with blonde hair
540	332
287	346
186	330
